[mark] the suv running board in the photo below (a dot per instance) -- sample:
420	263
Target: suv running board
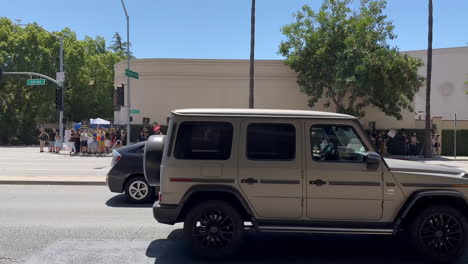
327	230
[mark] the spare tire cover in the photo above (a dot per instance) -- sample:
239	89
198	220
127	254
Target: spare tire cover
154	148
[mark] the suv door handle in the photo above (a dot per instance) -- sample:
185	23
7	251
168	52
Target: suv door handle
318	182
249	181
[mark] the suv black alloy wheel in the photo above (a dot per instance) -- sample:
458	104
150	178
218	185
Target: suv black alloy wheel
214	228
440	233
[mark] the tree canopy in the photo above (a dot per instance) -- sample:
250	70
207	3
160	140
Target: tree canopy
342	55
89	68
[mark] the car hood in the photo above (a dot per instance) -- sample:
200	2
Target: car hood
396	165
420	175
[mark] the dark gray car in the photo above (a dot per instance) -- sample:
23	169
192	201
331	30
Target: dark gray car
126	174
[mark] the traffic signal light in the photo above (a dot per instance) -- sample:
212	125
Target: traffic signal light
120	95
58	98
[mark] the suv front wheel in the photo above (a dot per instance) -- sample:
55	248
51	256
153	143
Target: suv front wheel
214	229
440	233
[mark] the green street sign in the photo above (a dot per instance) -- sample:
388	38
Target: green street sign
134	111
131	74
35	82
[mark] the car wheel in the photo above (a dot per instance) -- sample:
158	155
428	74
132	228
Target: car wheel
214	229
137	190
440	234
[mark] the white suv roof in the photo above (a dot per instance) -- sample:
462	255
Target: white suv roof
258	113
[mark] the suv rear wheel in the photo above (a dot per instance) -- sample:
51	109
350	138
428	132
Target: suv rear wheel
440	233
214	229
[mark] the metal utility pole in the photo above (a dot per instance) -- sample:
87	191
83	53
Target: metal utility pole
62	86
128	67
428	137
252	56
455	136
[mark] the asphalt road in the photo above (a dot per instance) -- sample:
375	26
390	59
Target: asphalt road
88	224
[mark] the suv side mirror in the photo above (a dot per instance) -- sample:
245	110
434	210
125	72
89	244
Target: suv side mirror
373	160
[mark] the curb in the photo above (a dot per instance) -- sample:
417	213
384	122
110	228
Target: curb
19	182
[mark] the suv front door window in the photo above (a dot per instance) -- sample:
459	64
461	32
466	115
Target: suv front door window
338	143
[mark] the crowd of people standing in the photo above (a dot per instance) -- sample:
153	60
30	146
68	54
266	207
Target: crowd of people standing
97	141
83	140
408	144
52	139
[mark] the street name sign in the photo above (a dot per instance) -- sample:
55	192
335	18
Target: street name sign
134	111
35	82
131	74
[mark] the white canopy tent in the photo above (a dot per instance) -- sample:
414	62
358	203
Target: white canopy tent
99	121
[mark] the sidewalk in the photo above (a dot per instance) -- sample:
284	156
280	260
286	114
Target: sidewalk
52	180
26	165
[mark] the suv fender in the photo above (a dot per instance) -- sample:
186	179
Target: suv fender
416	198
198	193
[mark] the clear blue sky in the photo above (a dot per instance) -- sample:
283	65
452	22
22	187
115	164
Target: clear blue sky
218	29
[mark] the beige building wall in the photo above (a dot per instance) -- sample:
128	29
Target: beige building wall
168	84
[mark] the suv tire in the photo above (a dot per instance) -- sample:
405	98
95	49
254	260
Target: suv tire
137	190
214	229
440	233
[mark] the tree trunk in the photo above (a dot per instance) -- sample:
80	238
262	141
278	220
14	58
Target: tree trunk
428	136
252	56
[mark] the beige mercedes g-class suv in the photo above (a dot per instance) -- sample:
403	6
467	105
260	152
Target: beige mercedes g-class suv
224	170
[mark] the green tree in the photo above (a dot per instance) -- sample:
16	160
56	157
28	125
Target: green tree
342	55
89	68
119	46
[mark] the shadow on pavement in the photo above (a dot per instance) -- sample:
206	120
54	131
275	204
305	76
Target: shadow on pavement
121	201
292	248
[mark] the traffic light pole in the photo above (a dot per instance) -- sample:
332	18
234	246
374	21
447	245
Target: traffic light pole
128	77
32	73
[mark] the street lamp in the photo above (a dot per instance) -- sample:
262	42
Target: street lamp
128	67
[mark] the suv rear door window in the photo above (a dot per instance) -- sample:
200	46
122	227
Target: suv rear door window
267	141
204	141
